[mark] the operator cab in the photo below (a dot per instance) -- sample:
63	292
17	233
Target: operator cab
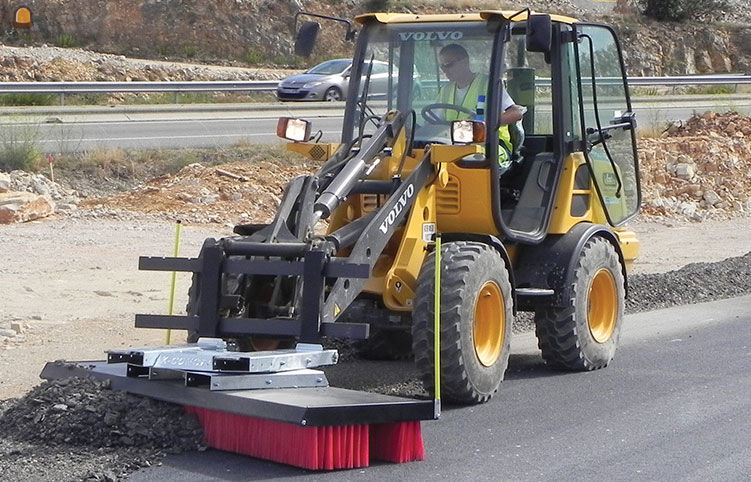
567	76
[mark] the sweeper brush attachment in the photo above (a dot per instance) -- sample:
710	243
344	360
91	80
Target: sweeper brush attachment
305	424
269	287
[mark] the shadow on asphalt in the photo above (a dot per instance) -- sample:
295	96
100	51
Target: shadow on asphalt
522	366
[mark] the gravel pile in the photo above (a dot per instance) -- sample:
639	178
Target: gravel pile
694	283
22	181
107	433
698	169
236	192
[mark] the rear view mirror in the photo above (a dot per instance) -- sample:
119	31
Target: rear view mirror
306	38
539	33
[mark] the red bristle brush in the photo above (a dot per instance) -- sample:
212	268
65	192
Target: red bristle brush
397	442
314	448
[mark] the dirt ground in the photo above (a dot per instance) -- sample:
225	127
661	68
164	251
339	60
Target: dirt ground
73	286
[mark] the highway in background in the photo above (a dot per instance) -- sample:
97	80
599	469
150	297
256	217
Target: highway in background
76	129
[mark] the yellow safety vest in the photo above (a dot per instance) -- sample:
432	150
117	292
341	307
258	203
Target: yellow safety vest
478	86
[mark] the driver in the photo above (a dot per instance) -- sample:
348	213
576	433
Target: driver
464	89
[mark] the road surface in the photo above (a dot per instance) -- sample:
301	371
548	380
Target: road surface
73	129
674	405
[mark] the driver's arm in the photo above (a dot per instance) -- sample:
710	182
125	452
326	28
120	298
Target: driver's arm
511	112
511	115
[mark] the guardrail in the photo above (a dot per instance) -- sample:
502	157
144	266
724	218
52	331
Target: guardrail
265	85
137	86
726	79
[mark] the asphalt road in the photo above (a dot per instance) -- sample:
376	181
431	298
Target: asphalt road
167	127
674	405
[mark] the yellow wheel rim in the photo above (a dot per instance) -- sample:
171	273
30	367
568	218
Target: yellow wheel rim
488	329
602	306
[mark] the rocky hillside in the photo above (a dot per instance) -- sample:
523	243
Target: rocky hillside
259	32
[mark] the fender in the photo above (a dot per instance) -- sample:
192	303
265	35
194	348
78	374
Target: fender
491	241
552	263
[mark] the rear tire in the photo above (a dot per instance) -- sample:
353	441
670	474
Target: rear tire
476	315
584	334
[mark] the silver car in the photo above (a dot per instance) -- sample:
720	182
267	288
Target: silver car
329	81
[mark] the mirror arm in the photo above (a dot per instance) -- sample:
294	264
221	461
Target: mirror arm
351	32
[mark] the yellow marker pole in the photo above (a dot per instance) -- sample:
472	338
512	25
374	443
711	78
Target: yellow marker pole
437	326
51	161
174	278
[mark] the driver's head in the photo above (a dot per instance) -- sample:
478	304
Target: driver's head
454	62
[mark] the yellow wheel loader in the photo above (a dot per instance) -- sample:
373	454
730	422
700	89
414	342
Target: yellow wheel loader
351	251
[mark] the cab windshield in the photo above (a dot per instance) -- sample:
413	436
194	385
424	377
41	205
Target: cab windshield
418	67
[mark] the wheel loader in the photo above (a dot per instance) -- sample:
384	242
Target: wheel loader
351	252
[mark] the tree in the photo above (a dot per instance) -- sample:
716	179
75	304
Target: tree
677	10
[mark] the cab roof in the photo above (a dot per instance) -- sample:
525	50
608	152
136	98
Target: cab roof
481	16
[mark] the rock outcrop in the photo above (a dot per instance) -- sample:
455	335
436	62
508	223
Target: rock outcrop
19	207
260	32
26	196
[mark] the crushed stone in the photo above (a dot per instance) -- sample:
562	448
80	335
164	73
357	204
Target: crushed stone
107	433
699	169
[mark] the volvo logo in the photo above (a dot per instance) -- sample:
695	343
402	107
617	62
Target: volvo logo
455	35
400	204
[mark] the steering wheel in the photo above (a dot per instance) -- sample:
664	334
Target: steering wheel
432	117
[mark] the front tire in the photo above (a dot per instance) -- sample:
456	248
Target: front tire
584	334
476	315
333	94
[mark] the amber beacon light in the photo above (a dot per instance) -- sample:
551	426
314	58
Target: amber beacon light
22	17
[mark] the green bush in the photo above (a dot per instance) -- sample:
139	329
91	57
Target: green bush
253	57
20	155
27	99
18	146
677	10
711	90
163	50
377	5
65	41
190	51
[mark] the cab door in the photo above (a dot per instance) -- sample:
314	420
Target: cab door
607	121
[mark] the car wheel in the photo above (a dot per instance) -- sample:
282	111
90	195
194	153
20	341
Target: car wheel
332	94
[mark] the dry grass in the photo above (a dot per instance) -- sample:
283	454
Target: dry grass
110	170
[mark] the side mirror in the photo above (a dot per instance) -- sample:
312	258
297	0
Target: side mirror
297	130
539	33
306	38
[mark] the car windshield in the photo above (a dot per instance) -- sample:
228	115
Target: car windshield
330	67
410	71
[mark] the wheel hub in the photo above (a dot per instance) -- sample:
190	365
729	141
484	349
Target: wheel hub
602	307
488	327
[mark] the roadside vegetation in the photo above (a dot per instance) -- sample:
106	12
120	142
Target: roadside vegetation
19	149
677	10
109	170
158	98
